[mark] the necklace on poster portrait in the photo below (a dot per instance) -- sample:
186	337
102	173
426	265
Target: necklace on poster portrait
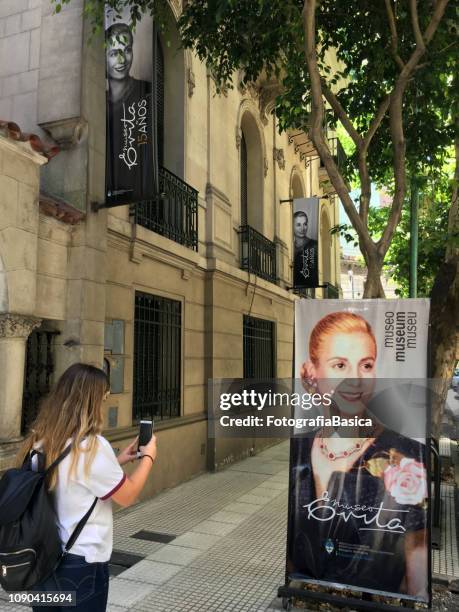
333	456
342	454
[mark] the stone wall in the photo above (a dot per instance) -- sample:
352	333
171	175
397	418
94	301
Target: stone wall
20	22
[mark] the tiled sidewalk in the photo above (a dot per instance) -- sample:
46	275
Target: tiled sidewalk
230	549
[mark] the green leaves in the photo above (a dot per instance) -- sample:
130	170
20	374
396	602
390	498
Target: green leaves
58	4
435	197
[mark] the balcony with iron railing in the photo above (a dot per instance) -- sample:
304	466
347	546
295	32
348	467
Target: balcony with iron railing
258	254
174	213
339	156
330	291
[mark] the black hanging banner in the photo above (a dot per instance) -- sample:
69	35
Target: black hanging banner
305	243
131	174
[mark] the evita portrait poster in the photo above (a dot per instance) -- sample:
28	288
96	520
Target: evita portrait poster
130	109
305	243
358	497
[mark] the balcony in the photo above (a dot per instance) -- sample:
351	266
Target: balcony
174	214
258	254
308	293
338	154
330	292
337	151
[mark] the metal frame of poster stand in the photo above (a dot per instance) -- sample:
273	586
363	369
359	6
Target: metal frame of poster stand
288	593
436	526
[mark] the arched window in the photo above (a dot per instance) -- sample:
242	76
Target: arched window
160	100
251	174
244	181
297	187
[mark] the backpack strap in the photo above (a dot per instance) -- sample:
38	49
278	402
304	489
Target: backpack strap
27	463
84	520
79	527
61	457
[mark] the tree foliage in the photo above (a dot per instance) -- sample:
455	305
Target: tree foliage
434	200
385	69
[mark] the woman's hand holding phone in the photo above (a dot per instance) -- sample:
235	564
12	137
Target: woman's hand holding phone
149	448
134	483
129	453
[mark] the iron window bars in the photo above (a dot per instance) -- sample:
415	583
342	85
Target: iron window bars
259	348
157	357
39	366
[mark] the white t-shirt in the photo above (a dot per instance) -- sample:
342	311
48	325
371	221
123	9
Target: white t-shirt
73	498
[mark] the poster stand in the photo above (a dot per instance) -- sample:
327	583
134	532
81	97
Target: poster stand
288	593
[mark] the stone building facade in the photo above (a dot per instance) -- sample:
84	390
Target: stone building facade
126	287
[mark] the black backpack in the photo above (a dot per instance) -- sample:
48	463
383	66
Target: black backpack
30	546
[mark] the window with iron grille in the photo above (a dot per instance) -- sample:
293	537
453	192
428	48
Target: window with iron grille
259	348
157	357
39	367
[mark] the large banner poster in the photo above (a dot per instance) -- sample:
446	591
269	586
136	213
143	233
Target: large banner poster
130	175
305	243
358	498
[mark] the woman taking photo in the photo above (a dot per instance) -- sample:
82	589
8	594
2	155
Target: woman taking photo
72	415
359	494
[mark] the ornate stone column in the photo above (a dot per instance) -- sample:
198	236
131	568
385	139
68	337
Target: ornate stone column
14	331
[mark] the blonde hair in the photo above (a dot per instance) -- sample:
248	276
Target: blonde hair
337	322
73	409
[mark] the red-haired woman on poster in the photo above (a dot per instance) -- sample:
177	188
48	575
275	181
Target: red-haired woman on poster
360	493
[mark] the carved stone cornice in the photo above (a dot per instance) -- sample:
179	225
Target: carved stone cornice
17	326
264	92
66	132
278	155
267	94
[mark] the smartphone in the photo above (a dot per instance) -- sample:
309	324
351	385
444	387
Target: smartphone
145	432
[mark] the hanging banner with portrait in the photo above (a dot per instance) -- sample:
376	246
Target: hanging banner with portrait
359	492
130	95
305	243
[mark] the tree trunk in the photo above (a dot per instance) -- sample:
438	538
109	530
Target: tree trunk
373	287
444	310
